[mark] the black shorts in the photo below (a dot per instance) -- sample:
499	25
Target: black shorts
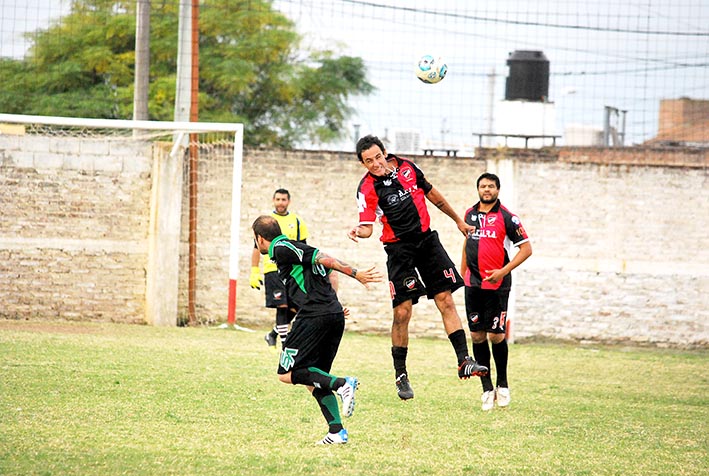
275	290
312	342
420	269
486	309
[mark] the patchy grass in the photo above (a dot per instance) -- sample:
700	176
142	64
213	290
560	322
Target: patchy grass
82	398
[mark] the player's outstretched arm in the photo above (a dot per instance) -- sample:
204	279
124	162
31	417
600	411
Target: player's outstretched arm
437	198
366	276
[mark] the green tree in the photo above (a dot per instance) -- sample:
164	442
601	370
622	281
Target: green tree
252	70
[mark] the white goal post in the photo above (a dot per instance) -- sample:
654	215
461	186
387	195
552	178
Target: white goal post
161	297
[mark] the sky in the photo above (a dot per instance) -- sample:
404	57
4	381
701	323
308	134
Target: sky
627	56
19	16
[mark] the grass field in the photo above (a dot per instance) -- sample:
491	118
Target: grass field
105	399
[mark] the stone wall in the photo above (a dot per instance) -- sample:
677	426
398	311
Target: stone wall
620	252
615	257
323	187
73	226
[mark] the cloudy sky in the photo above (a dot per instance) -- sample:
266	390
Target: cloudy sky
627	56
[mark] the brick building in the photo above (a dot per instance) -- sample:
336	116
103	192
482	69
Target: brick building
684	121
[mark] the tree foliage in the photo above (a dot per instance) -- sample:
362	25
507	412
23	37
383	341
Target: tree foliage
252	70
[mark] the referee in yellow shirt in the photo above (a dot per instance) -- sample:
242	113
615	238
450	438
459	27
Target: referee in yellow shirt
275	291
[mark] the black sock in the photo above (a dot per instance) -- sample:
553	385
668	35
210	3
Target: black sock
399	356
460	344
316	378
481	352
328	406
500	352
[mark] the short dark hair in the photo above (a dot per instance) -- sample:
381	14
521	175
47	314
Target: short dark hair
366	142
267	227
281	191
489	176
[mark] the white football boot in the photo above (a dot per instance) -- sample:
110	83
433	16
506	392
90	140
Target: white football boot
488	399
503	396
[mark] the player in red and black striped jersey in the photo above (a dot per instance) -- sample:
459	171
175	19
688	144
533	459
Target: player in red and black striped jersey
486	266
394	191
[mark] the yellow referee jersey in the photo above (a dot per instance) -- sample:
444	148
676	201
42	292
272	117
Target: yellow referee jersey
291	226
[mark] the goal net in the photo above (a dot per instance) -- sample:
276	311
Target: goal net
127	221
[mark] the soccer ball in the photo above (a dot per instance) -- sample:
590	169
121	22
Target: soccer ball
431	70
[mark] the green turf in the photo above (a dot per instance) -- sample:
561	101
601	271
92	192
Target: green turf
110	399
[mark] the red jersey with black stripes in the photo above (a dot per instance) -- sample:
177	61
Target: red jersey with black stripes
397	200
486	249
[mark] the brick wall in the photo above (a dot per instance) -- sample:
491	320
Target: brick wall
615	258
620	255
684	119
620	249
73	227
323	187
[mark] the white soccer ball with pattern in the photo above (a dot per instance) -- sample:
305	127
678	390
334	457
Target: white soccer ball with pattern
431	69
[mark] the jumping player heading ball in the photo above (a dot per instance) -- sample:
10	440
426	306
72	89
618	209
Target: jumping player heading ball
395	191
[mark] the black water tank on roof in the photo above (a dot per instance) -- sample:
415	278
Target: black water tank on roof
529	76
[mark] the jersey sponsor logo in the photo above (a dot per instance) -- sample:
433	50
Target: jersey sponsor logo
408	191
387	182
483	233
288	358
515	220
403	195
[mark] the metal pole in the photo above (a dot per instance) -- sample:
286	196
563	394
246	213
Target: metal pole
490	107
235	226
184	63
356	133
193	177
142	61
607	126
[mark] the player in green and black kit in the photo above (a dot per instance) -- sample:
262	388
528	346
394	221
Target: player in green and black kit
317	330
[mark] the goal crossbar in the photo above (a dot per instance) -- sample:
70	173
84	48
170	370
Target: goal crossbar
124	123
